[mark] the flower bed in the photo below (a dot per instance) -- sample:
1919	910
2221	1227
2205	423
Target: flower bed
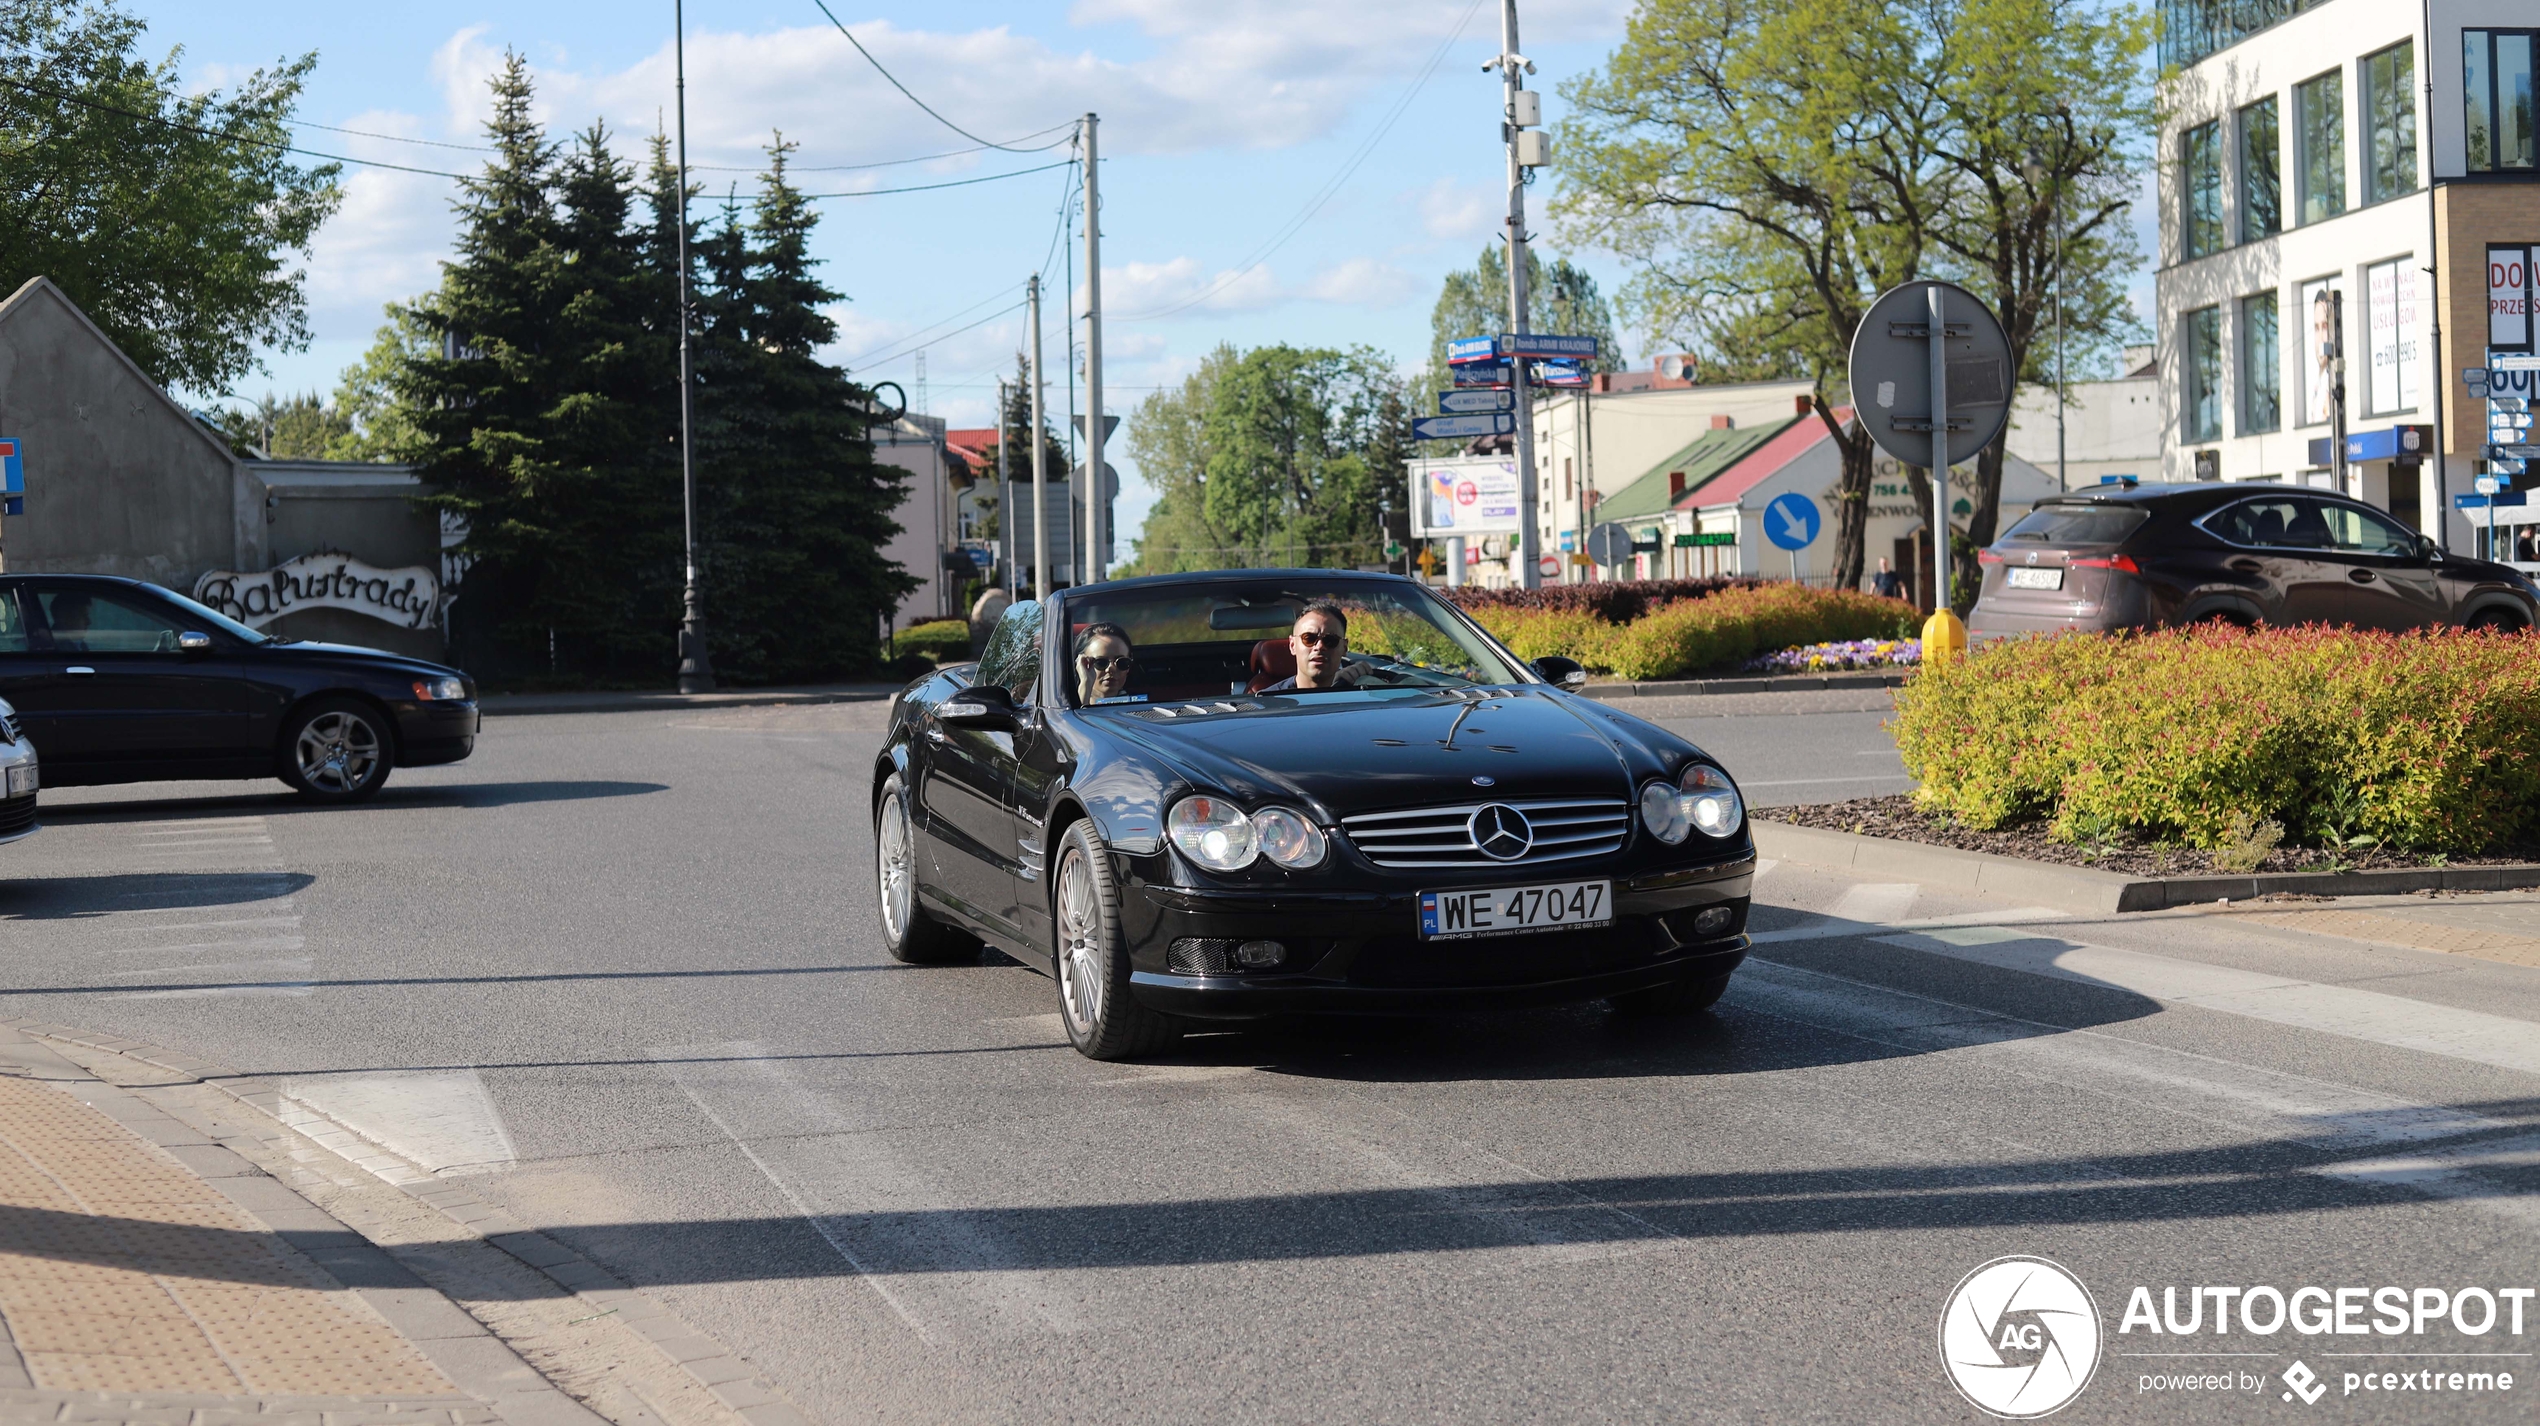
1857	653
2238	741
1618	602
1721	629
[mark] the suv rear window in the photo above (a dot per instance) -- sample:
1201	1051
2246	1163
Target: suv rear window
2076	525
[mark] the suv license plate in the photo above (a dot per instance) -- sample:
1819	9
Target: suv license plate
21	779
2031	577
1509	910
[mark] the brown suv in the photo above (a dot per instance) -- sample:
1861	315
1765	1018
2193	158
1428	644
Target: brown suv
2131	556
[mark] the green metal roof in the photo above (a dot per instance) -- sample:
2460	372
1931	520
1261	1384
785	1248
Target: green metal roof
1710	454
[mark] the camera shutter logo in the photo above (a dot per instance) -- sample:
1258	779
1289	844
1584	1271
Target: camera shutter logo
2020	1338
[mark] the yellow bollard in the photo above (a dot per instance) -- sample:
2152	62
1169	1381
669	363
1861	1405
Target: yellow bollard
1944	638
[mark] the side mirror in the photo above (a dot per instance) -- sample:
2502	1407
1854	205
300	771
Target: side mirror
192	642
985	705
1568	673
2429	551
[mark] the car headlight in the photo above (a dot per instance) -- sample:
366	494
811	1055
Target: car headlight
1287	838
1213	832
1710	800
1702	800
441	690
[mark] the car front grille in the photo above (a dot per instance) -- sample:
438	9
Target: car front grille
1564	830
17	814
9	729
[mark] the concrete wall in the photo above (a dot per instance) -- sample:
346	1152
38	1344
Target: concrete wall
340	507
120	480
916	444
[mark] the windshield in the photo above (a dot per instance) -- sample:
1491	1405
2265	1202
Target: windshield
217	619
2075	525
1207	641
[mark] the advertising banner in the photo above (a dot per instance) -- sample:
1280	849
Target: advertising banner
1464	495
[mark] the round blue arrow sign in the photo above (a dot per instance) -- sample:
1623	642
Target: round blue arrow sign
1791	521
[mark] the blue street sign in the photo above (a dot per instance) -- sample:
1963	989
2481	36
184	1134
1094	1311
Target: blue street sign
1471	349
1559	373
1791	521
12	468
2469	502
1497	399
1456	428
2395	443
1545	344
1481	374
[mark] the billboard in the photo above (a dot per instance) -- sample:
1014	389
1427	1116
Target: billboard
1463	495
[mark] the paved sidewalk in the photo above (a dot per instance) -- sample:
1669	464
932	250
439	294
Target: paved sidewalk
149	1274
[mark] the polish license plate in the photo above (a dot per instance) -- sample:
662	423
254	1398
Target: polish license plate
22	780
2030	577
1509	910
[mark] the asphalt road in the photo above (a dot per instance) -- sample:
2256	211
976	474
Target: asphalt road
622	970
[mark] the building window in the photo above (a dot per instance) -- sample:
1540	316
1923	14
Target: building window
2203	417
2261	366
2496	89
2319	106
2392	309
2203	161
2261	172
2390	122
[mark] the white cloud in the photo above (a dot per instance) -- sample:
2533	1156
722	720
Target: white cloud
1361	282
1454	210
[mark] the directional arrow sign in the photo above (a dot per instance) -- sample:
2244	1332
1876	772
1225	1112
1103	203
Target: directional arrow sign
2517	451
1456	428
1544	344
1471	349
1486	400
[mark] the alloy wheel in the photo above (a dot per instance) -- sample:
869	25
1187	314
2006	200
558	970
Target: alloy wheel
1080	967
337	752
893	850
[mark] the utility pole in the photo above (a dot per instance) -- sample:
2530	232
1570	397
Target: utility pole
1512	71
2442	520
2062	392
696	666
1097	491
1040	454
1005	494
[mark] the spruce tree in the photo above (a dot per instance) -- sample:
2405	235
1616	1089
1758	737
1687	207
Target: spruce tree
797	510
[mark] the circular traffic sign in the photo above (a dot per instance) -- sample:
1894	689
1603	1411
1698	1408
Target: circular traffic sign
1610	544
1791	521
1890	371
1549	564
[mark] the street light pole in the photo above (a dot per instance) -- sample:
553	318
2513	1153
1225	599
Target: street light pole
1097	491
696	666
1512	80
1040	453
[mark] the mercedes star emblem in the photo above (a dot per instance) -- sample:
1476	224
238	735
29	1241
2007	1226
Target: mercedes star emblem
1501	832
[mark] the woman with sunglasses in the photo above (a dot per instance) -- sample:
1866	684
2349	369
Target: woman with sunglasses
1104	663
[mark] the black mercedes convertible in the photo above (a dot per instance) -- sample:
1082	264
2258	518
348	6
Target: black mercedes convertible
1223	796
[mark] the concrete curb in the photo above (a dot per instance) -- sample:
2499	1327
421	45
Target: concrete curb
513	705
1774	683
2085	889
474	1359
733	1379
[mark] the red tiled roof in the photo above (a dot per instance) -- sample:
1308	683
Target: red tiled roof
1731	485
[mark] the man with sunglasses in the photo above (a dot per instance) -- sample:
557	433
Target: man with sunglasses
1317	642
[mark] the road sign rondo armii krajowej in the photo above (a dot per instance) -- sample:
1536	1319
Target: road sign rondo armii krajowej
1890	370
1791	521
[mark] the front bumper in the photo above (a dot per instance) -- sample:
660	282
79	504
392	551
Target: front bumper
1359	952
435	732
17	814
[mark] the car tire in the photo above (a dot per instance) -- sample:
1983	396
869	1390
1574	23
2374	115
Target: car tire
2500	620
912	934
1103	1019
1683	997
336	750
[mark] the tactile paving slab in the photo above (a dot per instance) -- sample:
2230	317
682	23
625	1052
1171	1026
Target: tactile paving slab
122	1272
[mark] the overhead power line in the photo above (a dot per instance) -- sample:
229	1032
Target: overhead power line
954	183
913	99
703	167
222	134
1322	195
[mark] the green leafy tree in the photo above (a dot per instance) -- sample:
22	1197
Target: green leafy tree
1279	455
1768	185
1561	297
382	425
286	428
174	219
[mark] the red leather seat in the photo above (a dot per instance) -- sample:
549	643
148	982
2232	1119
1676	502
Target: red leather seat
1272	661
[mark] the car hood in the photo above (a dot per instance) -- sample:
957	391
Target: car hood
1342	754
376	658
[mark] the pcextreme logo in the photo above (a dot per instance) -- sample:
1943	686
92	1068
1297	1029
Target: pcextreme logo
2020	1338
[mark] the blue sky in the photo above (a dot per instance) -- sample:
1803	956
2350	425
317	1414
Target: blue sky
1221	121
